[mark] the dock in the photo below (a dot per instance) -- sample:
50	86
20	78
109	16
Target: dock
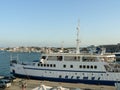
30	84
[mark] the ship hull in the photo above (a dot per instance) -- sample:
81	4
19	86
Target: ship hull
95	82
69	68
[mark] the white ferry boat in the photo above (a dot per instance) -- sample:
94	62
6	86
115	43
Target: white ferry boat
71	67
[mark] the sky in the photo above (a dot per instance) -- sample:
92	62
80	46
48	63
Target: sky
50	22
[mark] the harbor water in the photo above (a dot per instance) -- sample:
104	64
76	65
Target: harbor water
22	56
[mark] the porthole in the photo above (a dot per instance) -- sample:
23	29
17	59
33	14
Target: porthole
91	67
95	67
38	64
54	65
88	67
80	66
50	65
44	65
41	65
47	65
84	66
64	66
71	66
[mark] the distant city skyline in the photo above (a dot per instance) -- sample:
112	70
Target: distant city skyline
50	22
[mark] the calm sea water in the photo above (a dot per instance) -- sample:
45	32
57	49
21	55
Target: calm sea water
23	56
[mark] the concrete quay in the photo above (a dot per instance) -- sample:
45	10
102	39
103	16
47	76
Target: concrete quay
30	84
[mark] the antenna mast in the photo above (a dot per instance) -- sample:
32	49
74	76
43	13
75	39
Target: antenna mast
78	40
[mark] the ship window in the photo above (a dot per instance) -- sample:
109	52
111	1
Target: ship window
44	65
38	64
88	59
91	67
59	58
68	58
87	66
43	57
52	58
77	58
80	66
84	59
71	66
71	58
95	67
47	65
84	66
41	65
50	65
54	65
64	66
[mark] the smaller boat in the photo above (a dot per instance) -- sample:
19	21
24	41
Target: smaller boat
4	83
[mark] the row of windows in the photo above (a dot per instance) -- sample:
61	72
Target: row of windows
47	65
88	66
69	58
84	66
71	66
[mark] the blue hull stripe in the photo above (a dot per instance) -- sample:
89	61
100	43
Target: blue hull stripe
63	70
96	82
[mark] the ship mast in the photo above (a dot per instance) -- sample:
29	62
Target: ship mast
78	40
